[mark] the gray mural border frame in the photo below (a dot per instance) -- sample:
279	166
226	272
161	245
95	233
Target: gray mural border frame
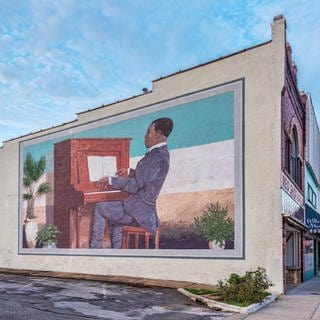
238	86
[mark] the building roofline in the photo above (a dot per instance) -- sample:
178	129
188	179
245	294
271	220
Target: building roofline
41	130
148	92
212	61
115	102
175	73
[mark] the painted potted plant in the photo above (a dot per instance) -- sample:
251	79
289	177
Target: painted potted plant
47	236
33	171
215	225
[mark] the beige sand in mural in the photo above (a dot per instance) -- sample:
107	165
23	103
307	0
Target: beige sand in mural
181	208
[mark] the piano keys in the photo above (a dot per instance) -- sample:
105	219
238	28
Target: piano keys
78	164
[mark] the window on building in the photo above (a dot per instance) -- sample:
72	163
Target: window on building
292	249
311	196
308	246
295	162
287	153
299	172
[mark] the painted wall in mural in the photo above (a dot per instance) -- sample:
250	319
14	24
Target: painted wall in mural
59	171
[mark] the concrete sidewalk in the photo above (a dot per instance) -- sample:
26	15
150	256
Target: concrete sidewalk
302	302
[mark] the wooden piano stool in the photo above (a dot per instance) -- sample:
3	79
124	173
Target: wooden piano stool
128	231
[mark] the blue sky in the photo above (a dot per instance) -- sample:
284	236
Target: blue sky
58	58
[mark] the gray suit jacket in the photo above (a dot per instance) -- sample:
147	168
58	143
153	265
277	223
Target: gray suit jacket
144	185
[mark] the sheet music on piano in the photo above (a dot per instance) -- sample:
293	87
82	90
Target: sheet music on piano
101	166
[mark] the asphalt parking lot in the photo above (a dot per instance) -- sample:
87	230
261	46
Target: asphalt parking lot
27	297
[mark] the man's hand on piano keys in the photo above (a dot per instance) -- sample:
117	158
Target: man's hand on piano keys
103	183
122	172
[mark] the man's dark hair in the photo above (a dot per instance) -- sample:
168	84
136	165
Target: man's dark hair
164	125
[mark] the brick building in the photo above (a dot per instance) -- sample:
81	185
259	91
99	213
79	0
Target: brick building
292	147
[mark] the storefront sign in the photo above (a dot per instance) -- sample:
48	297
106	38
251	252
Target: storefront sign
312	219
292	190
291	207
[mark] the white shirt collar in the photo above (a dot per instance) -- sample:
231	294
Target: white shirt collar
158	145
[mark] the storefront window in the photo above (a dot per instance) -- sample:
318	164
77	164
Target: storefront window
308	258
292	249
308	246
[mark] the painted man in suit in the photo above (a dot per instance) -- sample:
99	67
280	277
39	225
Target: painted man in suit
143	186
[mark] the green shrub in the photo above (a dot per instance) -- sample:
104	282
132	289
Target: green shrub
247	289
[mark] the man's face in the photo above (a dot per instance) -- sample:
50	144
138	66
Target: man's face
151	137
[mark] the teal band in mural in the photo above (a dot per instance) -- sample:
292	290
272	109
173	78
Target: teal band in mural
195	123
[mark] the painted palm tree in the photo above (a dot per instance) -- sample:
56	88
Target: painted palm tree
33	171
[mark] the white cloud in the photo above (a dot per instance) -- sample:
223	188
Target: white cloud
60	57
18	124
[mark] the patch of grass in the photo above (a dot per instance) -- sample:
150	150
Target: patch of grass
202	292
245	304
241	291
238	304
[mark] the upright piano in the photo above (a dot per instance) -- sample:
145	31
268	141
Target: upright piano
78	164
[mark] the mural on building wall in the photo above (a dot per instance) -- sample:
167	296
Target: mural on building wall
200	201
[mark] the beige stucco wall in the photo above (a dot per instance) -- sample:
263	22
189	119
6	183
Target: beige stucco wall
263	70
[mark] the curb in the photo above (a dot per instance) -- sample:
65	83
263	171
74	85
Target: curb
228	307
127	280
